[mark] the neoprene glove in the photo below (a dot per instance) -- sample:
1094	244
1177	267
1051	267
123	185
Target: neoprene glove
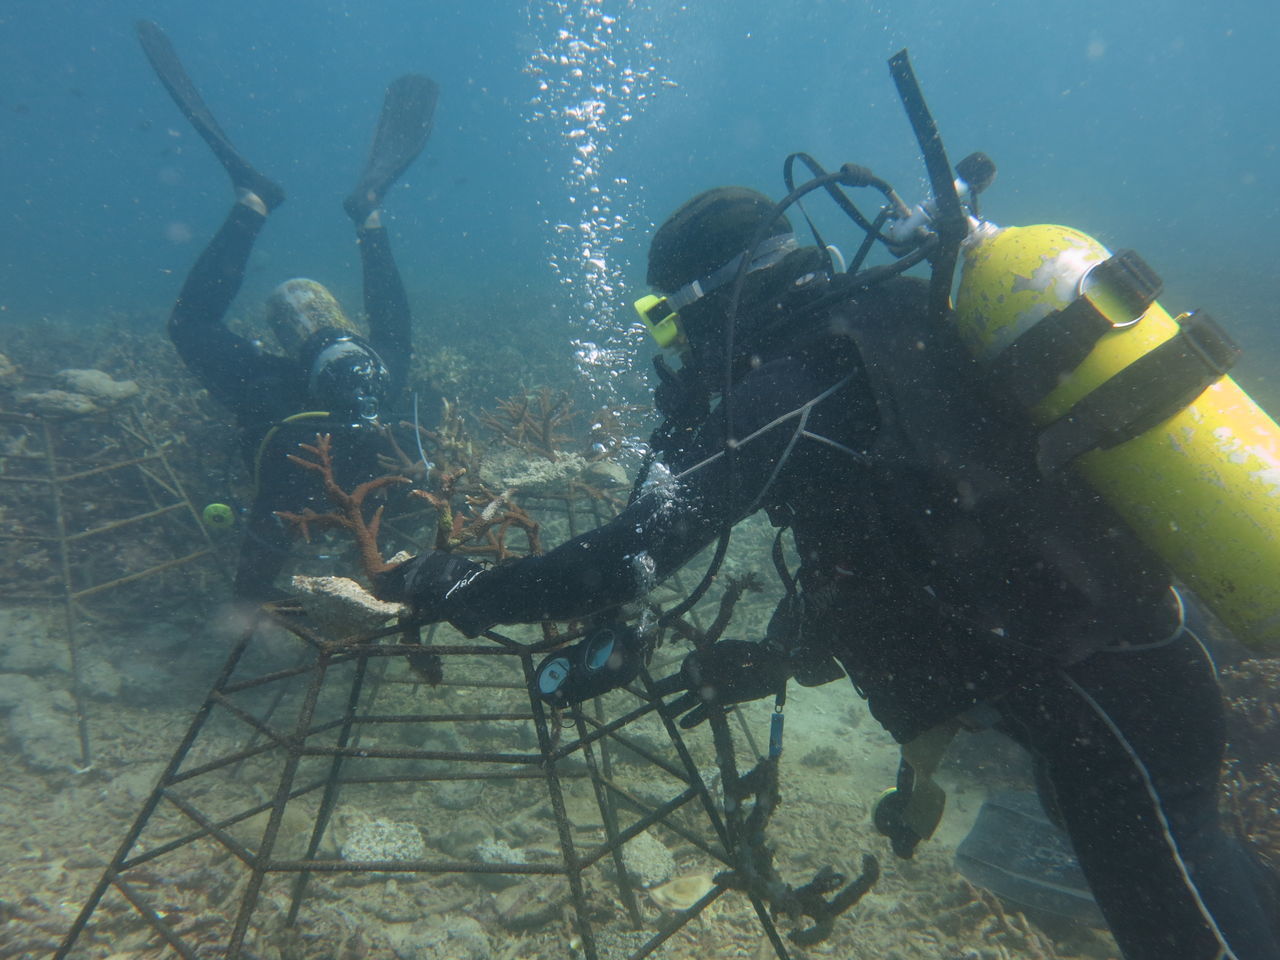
428	583
731	671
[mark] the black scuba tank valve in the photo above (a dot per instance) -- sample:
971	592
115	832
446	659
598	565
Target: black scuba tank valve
976	171
911	226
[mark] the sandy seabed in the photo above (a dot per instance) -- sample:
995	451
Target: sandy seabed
59	826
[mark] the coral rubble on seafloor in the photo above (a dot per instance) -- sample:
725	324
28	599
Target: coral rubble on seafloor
56	403
10	375
98	386
81	392
1252	778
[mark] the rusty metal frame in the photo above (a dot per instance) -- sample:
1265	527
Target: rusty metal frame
146	456
594	740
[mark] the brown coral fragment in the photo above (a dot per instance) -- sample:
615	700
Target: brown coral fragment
349	515
733	591
491	518
533	422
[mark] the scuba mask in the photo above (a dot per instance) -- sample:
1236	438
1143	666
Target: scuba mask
661	314
348	376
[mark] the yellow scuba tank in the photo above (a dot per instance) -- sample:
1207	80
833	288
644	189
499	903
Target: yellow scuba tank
1139	403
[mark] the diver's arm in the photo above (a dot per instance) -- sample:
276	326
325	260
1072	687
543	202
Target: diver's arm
223	361
606	567
385	301
657	534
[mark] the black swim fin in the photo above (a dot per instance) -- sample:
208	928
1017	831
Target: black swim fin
403	129
1016	852
164	60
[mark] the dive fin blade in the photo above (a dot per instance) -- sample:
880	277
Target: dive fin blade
1015	852
404	126
173	76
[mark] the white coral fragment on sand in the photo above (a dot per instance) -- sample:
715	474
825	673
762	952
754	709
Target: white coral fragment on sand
97	386
378	839
57	403
682	892
648	859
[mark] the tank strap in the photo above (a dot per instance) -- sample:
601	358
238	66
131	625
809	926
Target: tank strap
1153	388
1035	363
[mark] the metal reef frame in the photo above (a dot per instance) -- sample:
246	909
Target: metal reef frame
146	455
321	654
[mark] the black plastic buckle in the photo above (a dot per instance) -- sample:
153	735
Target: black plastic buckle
1035	363
1205	337
1130	278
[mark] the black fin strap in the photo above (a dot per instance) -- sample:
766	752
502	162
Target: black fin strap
1035	363
1152	389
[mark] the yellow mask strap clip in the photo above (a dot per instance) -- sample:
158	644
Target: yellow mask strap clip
660	314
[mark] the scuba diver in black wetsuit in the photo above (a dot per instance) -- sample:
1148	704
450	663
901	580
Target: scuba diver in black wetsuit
954	582
332	379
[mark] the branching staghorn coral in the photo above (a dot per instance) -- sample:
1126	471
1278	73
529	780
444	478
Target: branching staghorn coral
349	515
483	530
491	517
533	422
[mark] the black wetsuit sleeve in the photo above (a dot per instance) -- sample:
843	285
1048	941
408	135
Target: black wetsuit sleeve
227	364
685	506
386	305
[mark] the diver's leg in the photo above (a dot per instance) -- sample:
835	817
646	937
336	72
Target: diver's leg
1132	745
262	555
263	552
403	128
221	359
224	362
385	302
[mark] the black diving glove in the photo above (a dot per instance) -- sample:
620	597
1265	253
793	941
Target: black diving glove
428	583
731	671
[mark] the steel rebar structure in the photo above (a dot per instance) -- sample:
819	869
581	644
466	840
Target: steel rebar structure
77	488
234	848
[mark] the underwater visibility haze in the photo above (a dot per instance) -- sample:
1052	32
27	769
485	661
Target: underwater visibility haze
565	133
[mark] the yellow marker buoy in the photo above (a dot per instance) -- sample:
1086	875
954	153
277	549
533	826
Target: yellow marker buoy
218	517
